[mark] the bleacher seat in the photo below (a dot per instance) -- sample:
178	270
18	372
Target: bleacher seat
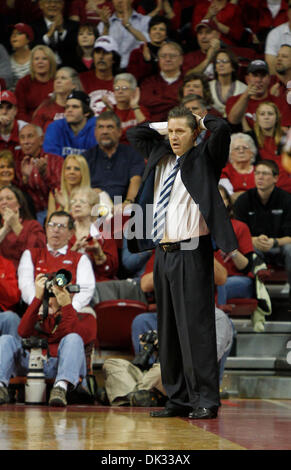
114	319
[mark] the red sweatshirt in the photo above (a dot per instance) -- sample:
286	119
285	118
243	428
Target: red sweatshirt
9	292
30	94
84	324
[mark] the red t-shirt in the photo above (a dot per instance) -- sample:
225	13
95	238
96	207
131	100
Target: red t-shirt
9	291
251	107
239	181
31	236
245	245
30	94
96	89
47	112
128	119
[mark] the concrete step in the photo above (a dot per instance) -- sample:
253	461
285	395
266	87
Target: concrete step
246	384
270	363
245	326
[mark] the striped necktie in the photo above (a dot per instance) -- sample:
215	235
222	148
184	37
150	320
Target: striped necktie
161	208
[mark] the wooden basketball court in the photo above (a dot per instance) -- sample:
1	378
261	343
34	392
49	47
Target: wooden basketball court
243	424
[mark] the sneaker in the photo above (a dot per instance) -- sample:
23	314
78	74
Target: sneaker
4	395
58	397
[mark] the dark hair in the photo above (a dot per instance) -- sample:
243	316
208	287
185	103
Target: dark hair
107	115
232	59
205	84
24	211
89	26
270	164
157	19
194	97
182	112
71	224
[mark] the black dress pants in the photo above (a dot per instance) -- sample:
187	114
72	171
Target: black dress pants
184	289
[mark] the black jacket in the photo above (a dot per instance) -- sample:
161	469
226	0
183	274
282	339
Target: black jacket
200	172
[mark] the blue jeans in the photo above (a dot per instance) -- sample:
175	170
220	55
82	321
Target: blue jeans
69	365
240	287
9	322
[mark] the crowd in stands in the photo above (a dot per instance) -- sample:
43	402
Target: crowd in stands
75	75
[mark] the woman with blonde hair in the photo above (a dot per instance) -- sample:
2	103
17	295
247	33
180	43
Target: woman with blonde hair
87	238
32	89
270	138
75	174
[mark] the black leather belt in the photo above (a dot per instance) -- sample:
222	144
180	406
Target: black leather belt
169	247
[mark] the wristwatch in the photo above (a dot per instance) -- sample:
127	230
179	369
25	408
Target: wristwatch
276	243
127	25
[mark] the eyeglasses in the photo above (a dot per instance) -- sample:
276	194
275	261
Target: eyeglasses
263	173
123	88
241	147
171	56
222	61
52	225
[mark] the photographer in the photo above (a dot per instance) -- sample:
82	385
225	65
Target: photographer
67	333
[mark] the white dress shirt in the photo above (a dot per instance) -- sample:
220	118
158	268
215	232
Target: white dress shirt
84	278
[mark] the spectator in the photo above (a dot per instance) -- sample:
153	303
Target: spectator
225	83
270	138
278	36
266	211
54	256
8	176
241	267
240	109
98	83
6	74
197	105
102	251
53	108
67	331
262	16
89	11
75	174
169	9
9	125
127	27
75	132
115	168
239	282
198	84
20	40
83	59
226	16
18	230
279	83
238	175
55	31
200	61
9	298
143	60
127	108
159	93
37	172
32	89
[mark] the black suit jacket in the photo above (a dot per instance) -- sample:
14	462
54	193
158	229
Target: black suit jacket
66	49
200	172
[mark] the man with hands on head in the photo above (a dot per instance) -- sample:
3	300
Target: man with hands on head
67	332
180	186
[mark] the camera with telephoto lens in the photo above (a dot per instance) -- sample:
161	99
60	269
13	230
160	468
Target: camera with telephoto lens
150	345
35	387
61	278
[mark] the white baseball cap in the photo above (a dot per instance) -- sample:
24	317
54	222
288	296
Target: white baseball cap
107	43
